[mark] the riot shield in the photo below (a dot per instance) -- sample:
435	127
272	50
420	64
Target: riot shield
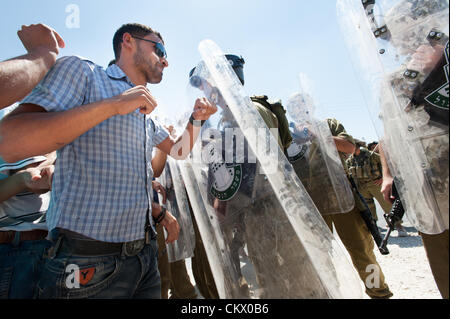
177	204
315	158
272	241
400	50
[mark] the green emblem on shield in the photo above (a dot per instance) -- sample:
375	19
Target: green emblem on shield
439	98
296	152
228	179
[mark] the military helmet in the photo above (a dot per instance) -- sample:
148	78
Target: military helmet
236	62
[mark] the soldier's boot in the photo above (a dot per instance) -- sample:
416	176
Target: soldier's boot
181	286
244	287
359	243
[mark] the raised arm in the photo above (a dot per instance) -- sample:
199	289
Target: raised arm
343	145
18	76
181	147
30	130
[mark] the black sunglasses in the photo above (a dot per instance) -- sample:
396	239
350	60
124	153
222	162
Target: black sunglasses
159	48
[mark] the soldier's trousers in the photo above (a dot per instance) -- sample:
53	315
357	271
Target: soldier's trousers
436	248
174	275
359	243
201	269
370	191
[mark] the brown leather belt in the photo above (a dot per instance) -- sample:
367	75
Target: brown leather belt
7	237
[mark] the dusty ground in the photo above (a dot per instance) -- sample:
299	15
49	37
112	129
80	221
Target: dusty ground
406	268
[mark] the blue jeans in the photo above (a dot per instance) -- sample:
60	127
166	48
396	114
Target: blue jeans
20	268
101	277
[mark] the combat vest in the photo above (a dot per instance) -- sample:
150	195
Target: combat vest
365	167
279	111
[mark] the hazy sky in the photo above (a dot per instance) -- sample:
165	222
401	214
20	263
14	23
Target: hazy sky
277	39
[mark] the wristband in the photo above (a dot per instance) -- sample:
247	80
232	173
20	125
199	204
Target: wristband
192	121
161	215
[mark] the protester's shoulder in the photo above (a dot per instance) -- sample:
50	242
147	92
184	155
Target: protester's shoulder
76	62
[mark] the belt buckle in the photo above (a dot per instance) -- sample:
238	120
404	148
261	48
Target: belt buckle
132	248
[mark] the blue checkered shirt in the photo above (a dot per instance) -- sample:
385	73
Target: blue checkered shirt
102	181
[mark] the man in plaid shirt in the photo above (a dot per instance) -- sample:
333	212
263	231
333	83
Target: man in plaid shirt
104	242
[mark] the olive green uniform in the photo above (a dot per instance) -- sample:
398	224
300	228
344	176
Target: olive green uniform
366	169
353	231
273	246
174	275
200	265
436	248
201	268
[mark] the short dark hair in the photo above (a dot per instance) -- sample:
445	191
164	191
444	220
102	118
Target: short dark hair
135	29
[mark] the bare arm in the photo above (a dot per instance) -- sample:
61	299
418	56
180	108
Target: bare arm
20	75
169	222
343	145
158	163
30	131
388	180
182	146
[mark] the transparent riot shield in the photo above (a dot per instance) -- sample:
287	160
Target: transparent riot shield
314	156
177	204
400	50
272	241
216	250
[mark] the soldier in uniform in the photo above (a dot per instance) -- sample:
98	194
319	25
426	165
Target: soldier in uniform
365	167
250	215
350	226
411	40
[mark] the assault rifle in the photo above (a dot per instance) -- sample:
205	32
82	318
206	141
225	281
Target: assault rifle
369	220
394	216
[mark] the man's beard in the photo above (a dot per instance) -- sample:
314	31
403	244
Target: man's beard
151	72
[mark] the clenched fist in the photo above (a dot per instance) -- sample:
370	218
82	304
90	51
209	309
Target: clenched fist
203	109
138	97
39	39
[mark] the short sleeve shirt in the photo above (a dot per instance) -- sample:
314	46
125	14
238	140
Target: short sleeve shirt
102	181
338	130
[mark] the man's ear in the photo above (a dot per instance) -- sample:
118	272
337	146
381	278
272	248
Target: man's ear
127	41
